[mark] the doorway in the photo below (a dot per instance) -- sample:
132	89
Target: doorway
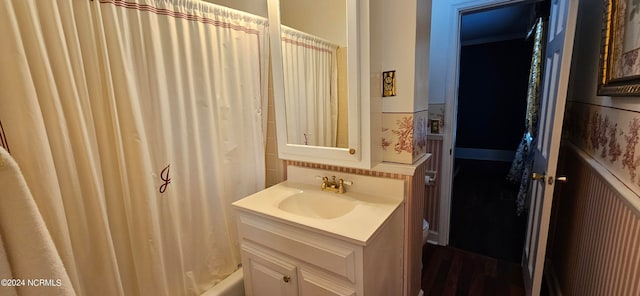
495	58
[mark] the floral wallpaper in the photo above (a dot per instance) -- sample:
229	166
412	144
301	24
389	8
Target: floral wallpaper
420	127
610	135
404	136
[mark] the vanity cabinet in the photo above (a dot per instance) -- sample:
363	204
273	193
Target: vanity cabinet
270	274
280	258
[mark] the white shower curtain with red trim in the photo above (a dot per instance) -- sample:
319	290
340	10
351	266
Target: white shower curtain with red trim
310	88
136	124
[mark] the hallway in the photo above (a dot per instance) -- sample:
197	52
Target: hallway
483	216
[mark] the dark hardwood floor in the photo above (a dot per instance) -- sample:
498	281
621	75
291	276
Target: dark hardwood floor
483	211
486	238
451	271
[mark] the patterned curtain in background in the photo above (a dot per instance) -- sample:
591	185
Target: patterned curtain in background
521	167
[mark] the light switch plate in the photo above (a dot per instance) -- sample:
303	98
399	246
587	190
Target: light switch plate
389	83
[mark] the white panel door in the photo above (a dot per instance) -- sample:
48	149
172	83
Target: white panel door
560	34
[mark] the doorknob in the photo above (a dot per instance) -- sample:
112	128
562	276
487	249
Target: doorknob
536	176
550	180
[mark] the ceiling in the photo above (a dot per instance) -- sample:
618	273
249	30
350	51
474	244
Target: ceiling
503	23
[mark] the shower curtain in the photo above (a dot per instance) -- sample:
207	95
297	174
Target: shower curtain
310	88
136	123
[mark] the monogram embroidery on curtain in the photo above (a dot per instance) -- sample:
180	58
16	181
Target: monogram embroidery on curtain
164	176
3	138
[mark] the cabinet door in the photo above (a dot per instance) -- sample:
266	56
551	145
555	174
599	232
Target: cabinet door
315	284
266	274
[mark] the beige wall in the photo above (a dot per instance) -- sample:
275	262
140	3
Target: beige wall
275	169
326	19
255	7
404	35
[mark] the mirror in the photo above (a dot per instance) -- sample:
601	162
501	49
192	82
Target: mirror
314	67
304	130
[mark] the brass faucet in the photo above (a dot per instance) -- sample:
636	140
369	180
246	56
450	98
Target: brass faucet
336	186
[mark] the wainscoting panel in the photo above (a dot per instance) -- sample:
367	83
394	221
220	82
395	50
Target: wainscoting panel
596	250
415	206
432	192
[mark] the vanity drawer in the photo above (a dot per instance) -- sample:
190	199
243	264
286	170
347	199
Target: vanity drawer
330	254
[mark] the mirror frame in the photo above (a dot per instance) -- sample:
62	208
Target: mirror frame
358	153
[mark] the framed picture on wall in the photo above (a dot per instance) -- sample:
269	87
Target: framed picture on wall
620	49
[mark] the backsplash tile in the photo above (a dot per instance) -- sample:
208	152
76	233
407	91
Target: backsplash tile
346	170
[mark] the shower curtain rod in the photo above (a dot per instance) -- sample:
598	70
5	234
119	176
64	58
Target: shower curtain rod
307	35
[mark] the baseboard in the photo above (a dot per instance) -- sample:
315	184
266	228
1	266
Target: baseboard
551	280
432	238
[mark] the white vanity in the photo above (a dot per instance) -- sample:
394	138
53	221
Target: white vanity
298	240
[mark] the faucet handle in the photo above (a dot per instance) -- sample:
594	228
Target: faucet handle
346	182
324	179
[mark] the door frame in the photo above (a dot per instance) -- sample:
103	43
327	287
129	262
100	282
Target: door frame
455	10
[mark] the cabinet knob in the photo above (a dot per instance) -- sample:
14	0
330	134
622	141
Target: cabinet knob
286	278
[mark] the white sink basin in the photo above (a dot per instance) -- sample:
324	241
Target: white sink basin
318	204
354	215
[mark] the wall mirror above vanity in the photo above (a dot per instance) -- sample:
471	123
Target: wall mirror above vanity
316	69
